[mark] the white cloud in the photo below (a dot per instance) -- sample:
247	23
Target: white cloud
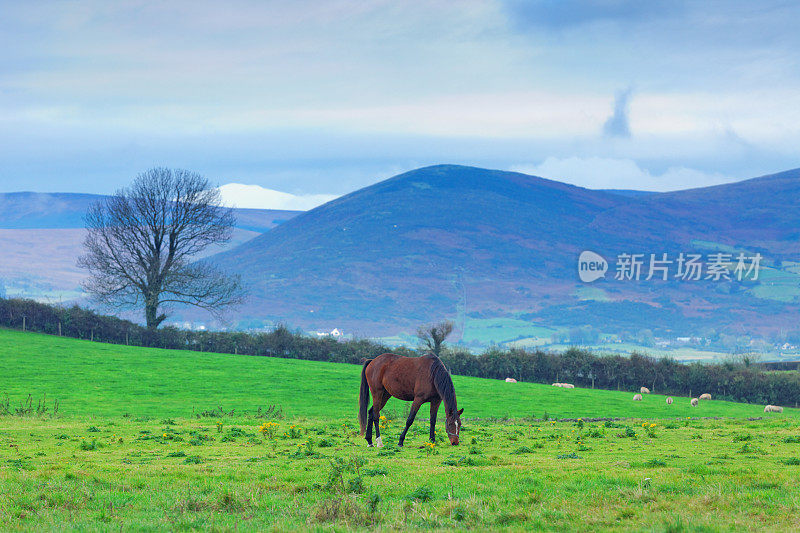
607	173
257	197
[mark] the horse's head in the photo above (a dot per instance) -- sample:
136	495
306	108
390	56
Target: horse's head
453	426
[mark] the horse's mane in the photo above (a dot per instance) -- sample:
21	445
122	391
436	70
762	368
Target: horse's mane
443	383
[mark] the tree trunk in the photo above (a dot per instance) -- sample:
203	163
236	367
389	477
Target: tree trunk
151	315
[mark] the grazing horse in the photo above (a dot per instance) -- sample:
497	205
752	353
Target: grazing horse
412	379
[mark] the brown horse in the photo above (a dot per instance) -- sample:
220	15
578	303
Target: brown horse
412	379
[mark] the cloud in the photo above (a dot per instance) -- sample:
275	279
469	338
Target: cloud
303	92
617	124
256	197
607	173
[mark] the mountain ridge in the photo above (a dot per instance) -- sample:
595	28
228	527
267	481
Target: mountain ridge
456	241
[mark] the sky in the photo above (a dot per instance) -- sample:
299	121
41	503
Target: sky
317	99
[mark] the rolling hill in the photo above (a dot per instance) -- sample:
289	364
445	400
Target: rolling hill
111	380
469	243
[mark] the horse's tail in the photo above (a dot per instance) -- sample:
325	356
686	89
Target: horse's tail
363	398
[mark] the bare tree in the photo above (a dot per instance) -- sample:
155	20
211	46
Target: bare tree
143	240
433	336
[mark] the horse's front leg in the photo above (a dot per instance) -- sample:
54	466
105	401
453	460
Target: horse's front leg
434	412
414	408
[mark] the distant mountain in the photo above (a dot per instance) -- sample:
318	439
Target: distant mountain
36	210
628	192
41	237
472	244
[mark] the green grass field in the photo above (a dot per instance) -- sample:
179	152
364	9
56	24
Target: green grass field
135	446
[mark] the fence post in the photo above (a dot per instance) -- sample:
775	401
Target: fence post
23	322
59	329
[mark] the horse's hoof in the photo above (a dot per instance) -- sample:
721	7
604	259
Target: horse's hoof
379	442
369	445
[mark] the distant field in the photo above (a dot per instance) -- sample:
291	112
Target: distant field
498	330
137	445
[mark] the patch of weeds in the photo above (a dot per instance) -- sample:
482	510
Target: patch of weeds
273	411
326	443
423	493
654	463
176	454
89	446
629	433
741	438
373	501
749	448
342	508
356	485
336	475
509	518
93	429
199	438
625	514
20	464
572	455
791	461
213	413
521	450
459	513
229	503
168	422
193	460
388	451
792	439
377	471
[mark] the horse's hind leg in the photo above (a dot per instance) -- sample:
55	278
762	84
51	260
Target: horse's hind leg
375	415
368	433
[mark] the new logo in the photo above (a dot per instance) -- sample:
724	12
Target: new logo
591	266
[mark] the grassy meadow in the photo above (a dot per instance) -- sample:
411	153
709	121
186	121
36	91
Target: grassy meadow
148	439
